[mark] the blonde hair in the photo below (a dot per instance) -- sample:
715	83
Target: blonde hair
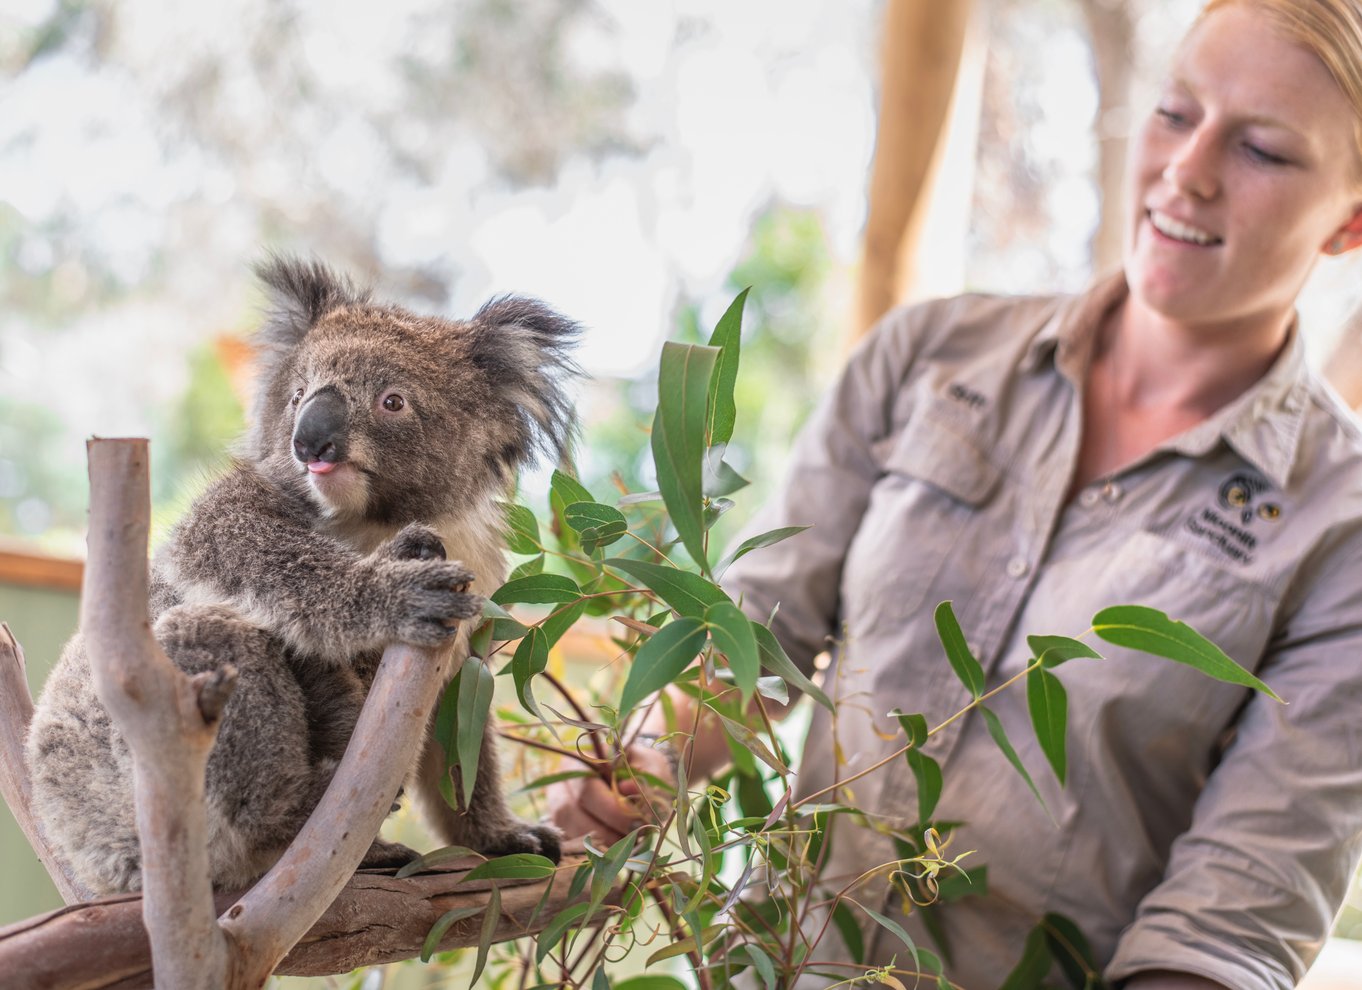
1332	29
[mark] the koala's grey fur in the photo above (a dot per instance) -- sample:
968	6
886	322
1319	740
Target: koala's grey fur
300	574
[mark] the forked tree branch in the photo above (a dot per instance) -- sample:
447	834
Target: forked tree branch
16	711
168	719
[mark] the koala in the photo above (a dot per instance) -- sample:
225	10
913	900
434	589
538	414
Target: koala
379	446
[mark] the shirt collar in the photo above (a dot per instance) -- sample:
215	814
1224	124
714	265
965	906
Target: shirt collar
1263	425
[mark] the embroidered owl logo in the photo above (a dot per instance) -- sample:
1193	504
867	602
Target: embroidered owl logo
1239	493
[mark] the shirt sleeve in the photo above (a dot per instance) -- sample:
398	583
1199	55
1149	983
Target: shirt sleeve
1252	886
830	473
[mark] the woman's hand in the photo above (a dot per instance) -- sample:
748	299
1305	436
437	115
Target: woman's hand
609	811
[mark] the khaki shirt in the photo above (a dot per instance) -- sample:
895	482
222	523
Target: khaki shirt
1203	828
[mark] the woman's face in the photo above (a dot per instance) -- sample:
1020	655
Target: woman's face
1245	171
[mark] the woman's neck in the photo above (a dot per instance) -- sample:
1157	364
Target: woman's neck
1154	363
1151	379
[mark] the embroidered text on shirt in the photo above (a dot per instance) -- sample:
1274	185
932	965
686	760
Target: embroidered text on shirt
967	395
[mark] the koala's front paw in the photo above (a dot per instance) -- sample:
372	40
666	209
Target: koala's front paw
427	599
416	541
526	837
387	855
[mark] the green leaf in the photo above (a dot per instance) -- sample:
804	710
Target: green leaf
999	734
718	477
516	866
850	931
608	868
604	523
897	930
689	594
474	705
751	742
1034	966
555	930
538	589
687	944
1049	706
767	539
488	935
774	659
957	652
437	857
926	770
522	530
1071	948
504	625
600	981
480	643
773	688
535	565
446	921
651	983
1152	631
732	634
1054	650
530	659
666	654
561	621
568	489
678	439
727	337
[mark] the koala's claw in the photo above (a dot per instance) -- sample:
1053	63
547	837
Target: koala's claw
540	838
416	542
385	855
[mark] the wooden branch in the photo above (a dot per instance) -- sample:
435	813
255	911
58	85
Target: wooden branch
375	920
168	719
281	908
16	711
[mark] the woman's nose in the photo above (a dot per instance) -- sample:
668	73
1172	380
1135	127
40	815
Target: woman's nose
1193	169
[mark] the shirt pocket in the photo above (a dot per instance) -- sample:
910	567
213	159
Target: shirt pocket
934	481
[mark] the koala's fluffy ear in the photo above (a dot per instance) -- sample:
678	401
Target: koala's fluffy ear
522	346
300	293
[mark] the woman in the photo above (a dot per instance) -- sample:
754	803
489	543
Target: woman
1156	440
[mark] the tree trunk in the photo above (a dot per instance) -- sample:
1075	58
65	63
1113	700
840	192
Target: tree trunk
923	44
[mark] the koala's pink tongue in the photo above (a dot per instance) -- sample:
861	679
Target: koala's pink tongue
321	467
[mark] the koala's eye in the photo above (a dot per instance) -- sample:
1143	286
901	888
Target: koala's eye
394	402
297	398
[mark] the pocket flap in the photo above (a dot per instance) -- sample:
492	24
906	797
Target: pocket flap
940	454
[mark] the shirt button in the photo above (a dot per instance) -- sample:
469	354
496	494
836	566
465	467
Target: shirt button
1017	567
1089	497
1112	492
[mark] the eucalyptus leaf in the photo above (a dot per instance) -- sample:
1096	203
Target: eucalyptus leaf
1035	963
538	589
1070	947
767	539
650	982
556	928
689	594
752	743
658	661
474	705
604	521
679	441
727	337
1054	650
962	661
927	772
732	634
773	688
531	658
437	857
850	931
488	934
561	621
1048	703
522	530
1151	631
775	660
754	955
516	866
718	477
535	565
568	489
999	734
446	921
897	930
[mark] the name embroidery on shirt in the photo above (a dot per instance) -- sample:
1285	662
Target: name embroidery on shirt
1239	504
966	395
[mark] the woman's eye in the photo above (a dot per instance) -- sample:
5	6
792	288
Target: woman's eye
1259	154
297	398
1171	117
394	402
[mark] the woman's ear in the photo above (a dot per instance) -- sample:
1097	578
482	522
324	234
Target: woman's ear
1348	236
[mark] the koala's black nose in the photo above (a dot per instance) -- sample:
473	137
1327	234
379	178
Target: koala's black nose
319	434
